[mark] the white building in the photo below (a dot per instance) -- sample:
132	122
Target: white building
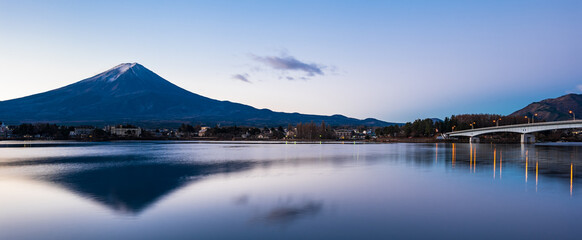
123	131
203	131
82	131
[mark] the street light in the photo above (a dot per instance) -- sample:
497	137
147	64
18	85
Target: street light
527	119
472	125
533	119
453	128
573	115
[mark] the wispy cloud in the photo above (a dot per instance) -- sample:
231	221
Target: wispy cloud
242	77
290	63
283	66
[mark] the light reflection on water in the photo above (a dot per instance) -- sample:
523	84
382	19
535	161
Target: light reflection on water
185	190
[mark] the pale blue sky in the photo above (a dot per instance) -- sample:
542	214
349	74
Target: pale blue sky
392	60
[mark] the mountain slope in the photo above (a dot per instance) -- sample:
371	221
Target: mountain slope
131	93
553	109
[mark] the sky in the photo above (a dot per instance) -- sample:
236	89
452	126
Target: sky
392	60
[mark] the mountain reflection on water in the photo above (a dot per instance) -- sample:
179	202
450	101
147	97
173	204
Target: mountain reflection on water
132	188
293	184
126	183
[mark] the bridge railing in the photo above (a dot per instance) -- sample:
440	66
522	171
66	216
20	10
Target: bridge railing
554	123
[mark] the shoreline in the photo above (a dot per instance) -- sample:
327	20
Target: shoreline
264	141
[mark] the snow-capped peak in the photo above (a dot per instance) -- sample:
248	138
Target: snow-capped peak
124	67
113	73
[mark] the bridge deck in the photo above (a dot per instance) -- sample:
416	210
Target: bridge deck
520	128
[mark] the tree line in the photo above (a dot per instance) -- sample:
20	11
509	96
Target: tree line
428	128
44	130
312	131
308	131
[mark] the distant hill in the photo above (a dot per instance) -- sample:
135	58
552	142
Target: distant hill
554	109
131	93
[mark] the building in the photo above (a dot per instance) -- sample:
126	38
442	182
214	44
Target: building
344	133
264	136
123	131
203	131
4	131
154	132
291	133
83	131
245	135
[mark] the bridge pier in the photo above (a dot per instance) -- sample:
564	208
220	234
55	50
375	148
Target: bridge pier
528	138
473	139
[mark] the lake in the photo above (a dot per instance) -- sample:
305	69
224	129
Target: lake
250	190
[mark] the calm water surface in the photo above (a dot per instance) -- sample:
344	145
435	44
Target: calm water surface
197	190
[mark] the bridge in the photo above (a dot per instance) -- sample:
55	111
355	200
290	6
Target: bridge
525	130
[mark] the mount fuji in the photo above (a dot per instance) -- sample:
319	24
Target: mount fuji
131	93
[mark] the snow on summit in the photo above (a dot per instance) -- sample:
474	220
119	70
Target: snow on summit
113	73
